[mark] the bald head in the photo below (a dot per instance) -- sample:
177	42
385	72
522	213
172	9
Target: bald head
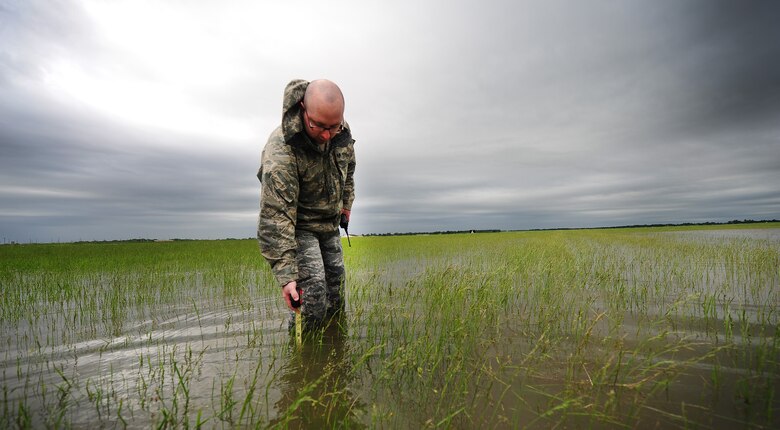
324	94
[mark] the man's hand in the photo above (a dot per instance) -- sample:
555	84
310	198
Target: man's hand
291	293
344	219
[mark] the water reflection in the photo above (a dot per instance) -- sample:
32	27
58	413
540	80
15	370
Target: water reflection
315	382
770	234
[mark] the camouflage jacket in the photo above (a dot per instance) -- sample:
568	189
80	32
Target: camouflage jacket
303	187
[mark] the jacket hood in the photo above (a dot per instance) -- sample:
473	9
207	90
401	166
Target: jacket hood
292	118
292	123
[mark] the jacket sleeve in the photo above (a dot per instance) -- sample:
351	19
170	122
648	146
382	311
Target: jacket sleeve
349	184
279	211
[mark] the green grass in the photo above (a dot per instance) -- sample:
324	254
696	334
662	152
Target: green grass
608	328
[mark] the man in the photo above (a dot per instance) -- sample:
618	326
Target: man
306	173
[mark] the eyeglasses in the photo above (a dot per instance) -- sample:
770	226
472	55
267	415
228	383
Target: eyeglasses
334	129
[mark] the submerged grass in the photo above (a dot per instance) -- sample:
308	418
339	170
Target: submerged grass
618	328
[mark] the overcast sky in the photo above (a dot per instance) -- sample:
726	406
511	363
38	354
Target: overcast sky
146	119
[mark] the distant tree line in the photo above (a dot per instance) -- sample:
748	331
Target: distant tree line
749	221
735	221
435	232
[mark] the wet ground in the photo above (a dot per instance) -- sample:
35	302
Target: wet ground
230	361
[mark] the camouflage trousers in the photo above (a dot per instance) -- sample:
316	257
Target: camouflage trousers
320	276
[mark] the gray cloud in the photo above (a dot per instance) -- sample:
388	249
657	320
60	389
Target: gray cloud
468	115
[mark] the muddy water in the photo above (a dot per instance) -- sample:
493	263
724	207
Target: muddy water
182	355
228	359
234	364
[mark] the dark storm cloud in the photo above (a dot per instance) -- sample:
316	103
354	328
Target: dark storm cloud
115	184
602	115
467	114
738	61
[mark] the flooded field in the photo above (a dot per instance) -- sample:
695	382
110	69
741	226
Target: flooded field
638	328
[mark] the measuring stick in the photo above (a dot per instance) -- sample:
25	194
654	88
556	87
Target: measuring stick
298	324
298	329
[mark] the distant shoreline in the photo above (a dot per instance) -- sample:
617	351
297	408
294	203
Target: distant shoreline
773	223
730	224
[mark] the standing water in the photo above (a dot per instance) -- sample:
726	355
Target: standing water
642	328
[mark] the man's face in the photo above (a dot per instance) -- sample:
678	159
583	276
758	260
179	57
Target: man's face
322	121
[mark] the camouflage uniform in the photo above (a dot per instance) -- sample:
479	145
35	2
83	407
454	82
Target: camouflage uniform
304	189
